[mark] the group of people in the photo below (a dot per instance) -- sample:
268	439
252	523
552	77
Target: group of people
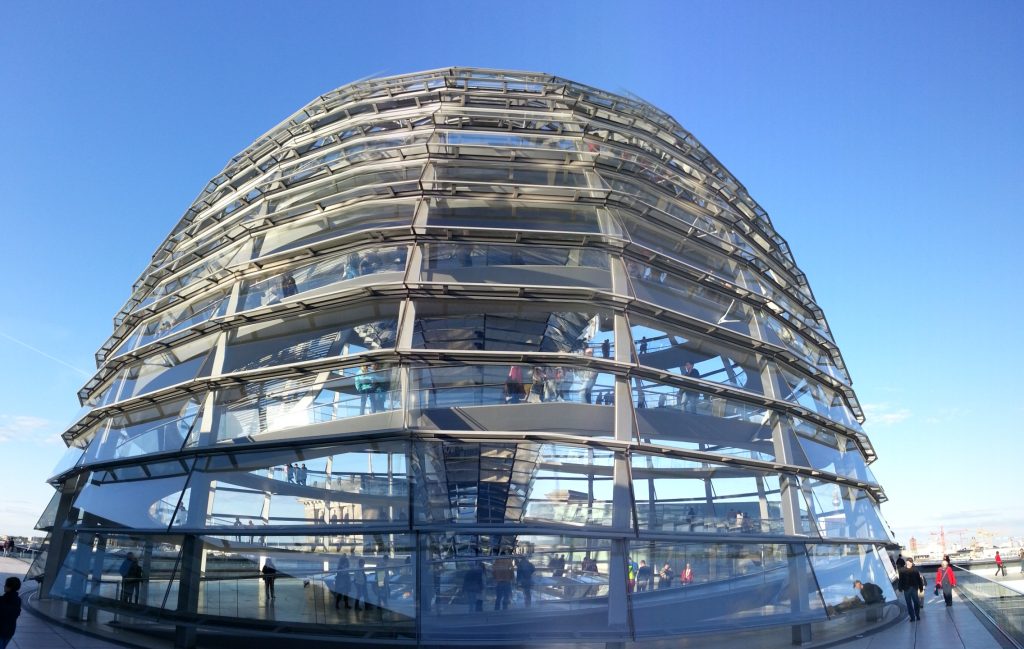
297	474
912	584
640	576
505	571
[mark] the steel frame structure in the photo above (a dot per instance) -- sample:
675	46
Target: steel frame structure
505	321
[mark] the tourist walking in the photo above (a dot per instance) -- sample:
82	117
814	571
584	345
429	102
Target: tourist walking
999	565
342	583
10	609
911	584
946	580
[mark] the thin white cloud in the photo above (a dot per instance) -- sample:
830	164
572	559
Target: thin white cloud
885	414
27	428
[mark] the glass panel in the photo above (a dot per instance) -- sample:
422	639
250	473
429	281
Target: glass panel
175	319
208	267
813	396
129	497
477	587
681	352
701	421
693	587
337	189
481	213
826	450
838	568
256	411
512	398
362	217
184	362
49	515
160	427
844	512
360	585
442	325
312	337
508	483
71	458
691	298
689	496
385	264
515	265
336	485
132	571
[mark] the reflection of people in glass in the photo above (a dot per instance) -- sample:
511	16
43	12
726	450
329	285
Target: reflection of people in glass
536	385
644	577
288	287
359	584
504	572
342	581
131	577
269	575
514	385
364	386
606	349
381	386
686	576
665	576
687	398
524	575
473	587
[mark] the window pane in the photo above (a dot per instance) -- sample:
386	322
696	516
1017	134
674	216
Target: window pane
312	337
525	329
261	411
844	512
476	587
519	397
358	585
129	497
701	421
508	483
711	586
382	264
836	567
691	496
515	265
325	486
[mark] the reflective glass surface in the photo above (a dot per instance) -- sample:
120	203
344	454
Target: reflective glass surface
696	420
131	572
837	567
526	329
319	486
160	427
844	512
693	587
510	483
480	587
261	411
503	397
688	496
142	497
384	264
515	265
322	335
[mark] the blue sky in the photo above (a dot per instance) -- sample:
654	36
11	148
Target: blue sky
884	139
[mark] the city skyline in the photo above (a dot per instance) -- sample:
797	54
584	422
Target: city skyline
899	294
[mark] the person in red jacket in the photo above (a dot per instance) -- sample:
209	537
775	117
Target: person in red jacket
945	579
999	565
